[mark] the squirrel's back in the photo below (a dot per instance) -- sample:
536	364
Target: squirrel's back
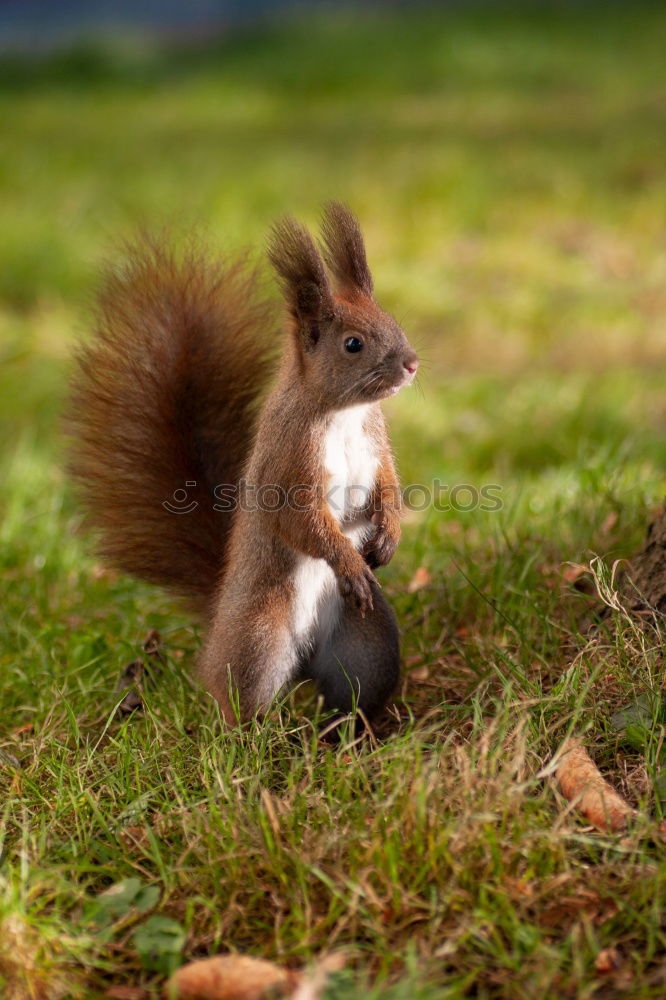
164	399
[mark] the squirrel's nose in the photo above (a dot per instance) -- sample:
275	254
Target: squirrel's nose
410	363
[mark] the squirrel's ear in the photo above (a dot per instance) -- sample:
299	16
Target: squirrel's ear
344	248
302	276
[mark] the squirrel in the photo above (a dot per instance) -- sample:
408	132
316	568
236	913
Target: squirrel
177	391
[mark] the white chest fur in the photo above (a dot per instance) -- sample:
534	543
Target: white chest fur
350	460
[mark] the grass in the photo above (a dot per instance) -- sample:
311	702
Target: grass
508	168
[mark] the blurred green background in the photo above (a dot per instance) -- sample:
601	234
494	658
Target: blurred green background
506	162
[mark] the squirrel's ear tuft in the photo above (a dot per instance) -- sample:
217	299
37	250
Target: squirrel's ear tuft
344	248
301	273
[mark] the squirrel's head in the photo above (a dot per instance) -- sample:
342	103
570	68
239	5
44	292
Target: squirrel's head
350	350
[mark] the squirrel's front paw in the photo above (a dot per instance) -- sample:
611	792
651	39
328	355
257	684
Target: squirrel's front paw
380	549
356	588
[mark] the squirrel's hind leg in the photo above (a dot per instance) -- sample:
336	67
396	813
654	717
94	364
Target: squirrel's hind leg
246	666
358	664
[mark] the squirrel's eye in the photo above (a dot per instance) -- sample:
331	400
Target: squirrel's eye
353	345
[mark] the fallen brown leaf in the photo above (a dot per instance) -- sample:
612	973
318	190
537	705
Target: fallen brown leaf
231	977
582	784
608	960
28	728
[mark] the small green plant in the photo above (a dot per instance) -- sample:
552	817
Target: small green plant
125	898
159	943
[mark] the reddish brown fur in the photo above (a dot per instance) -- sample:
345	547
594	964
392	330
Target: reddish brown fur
264	544
167	393
344	249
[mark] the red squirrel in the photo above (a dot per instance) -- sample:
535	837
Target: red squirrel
173	393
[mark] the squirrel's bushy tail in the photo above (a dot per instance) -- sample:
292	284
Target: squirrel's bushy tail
164	399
